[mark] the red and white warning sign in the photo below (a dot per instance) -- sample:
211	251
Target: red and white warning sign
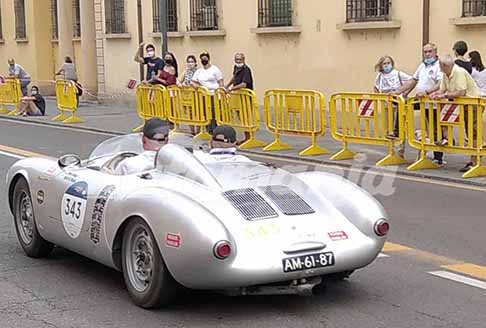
173	240
366	108
338	235
450	113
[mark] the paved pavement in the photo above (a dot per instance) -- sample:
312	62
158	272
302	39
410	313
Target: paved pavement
122	118
432	273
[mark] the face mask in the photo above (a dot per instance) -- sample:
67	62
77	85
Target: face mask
151	54
33	92
169	61
204	61
190	65
239	65
387	68
430	61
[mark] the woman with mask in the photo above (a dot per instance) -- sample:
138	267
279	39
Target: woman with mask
479	71
392	81
191	68
168	75
33	105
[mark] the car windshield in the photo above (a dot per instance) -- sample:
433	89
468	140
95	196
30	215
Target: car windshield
133	143
127	143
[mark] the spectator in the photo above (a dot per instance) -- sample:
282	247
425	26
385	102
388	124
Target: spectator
154	63
18	72
479	72
458	83
35	105
392	81
211	77
191	68
427	79
460	50
242	77
68	70
168	75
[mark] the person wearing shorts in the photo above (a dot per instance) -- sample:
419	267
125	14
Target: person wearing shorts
33	105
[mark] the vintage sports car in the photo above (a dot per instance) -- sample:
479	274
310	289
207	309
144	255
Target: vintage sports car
206	222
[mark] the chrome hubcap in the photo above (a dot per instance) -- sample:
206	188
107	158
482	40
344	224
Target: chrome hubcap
25	218
141	259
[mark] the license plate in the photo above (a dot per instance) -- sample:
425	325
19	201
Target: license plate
311	261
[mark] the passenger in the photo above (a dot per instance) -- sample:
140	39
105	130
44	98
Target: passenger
155	135
222	147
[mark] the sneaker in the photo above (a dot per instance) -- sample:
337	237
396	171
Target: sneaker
439	162
467	167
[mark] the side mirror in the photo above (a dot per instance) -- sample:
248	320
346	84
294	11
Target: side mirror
68	160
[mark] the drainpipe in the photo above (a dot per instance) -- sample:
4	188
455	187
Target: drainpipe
426	22
140	33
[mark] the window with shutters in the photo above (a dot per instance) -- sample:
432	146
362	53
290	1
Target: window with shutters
473	8
171	15
367	10
54	24
274	13
20	28
204	15
115	16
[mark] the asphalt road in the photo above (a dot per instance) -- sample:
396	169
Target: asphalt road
433	225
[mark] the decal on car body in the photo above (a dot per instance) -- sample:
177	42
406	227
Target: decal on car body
98	213
173	240
73	208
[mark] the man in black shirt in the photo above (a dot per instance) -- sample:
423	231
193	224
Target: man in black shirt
154	63
460	50
35	105
242	77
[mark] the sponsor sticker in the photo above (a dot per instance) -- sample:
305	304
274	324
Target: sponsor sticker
73	208
98	213
338	235
40	197
132	84
173	240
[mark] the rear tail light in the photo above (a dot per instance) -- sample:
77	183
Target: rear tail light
222	250
382	227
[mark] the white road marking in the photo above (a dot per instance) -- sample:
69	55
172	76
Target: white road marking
460	279
382	255
11	155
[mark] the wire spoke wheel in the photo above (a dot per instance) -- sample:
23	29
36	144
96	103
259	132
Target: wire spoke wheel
141	259
25	218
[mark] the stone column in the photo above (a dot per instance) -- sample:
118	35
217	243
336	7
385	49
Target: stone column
65	28
88	45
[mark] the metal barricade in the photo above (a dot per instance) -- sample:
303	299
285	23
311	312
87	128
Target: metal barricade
190	106
10	95
67	102
448	126
295	113
239	109
152	101
368	119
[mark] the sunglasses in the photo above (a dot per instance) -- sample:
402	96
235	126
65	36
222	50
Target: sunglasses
159	139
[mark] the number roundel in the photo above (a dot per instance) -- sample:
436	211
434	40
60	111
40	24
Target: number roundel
73	208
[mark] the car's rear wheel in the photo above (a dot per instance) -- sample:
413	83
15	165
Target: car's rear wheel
148	281
31	241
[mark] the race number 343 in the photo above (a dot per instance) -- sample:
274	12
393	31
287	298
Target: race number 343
73	208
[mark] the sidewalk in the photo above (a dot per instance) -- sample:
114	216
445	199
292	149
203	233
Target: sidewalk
121	119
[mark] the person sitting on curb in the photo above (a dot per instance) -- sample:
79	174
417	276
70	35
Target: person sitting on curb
33	105
155	135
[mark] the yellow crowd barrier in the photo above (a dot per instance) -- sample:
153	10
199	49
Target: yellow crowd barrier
190	106
457	123
67	102
296	113
152	101
367	119
240	110
10	95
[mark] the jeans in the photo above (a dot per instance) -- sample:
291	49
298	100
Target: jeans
432	111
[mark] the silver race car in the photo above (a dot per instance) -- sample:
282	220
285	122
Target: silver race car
207	222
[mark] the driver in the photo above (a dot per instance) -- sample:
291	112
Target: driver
155	135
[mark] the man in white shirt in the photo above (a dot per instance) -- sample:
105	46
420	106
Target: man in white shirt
210	77
427	79
18	72
155	135
222	147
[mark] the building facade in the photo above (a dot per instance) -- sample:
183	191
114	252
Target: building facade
328	45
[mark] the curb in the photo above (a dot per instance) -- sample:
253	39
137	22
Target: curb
346	166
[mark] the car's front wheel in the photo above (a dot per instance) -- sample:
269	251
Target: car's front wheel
31	241
148	281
